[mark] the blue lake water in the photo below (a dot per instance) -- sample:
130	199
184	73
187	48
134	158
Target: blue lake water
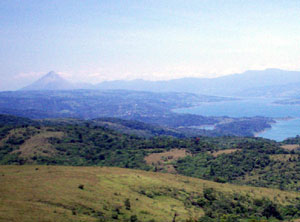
282	130
255	107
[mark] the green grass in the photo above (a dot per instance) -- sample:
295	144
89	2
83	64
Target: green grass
52	193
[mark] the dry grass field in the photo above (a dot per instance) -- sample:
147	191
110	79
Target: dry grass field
290	147
227	151
39	145
163	160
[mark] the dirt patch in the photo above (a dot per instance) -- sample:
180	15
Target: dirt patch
227	151
162	161
38	145
290	147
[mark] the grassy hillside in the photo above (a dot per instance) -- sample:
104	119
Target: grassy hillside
58	193
255	161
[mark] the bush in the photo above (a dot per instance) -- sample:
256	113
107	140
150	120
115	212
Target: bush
133	218
127	204
209	194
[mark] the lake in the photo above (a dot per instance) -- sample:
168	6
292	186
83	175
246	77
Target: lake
282	130
255	107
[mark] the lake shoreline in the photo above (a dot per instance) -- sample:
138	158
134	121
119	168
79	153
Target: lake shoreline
278	122
286	116
256	134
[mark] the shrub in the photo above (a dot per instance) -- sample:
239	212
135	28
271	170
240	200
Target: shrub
133	218
127	204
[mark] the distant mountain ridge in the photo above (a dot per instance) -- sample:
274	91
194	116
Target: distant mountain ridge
230	85
290	90
250	83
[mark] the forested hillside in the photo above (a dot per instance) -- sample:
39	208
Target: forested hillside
253	161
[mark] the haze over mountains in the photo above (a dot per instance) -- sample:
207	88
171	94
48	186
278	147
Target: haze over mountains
231	85
53	81
50	81
269	82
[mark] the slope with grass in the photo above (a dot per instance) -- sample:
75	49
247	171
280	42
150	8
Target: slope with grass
58	193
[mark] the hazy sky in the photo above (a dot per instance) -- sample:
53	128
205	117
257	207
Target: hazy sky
101	40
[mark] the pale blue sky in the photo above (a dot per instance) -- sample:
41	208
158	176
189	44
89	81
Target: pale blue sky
101	40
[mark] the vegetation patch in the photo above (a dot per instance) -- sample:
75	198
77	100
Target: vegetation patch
285	157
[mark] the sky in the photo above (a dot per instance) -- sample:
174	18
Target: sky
98	40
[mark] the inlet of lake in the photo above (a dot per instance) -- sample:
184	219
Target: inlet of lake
281	130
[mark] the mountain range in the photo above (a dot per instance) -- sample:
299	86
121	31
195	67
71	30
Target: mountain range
269	82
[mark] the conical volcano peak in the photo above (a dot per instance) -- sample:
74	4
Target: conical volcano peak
51	73
50	81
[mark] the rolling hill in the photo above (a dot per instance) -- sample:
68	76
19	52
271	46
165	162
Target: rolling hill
58	193
88	189
255	161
